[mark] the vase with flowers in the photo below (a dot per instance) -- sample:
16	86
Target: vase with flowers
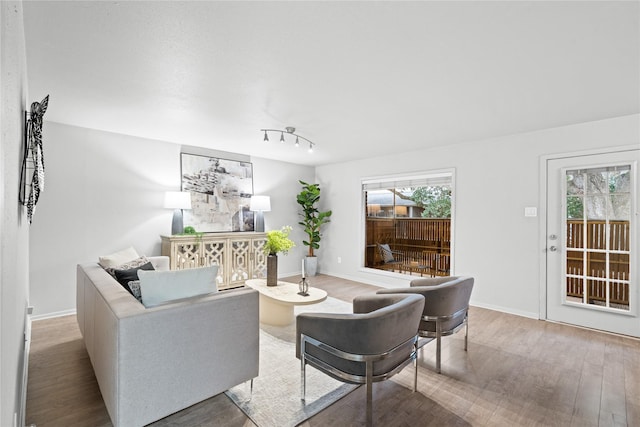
278	241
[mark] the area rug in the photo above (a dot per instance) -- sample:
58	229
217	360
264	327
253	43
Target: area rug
275	400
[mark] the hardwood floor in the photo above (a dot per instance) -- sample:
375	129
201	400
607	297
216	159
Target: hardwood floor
517	372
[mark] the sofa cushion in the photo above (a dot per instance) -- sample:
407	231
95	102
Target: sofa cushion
118	258
135	263
128	275
387	255
134	287
157	287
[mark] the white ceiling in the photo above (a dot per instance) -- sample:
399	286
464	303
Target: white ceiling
360	79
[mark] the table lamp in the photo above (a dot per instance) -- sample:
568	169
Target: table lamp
259	205
177	200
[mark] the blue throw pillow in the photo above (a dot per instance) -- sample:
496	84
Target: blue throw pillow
157	287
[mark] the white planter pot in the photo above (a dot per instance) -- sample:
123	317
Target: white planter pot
311	265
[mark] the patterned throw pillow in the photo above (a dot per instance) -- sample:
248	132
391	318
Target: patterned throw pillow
387	255
131	274
134	286
128	265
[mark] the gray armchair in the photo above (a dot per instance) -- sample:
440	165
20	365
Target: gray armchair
446	307
370	345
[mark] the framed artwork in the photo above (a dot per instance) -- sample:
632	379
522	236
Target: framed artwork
220	193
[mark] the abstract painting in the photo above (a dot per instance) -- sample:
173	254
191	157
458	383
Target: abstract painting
220	193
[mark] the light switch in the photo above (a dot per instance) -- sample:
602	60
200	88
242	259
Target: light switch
531	211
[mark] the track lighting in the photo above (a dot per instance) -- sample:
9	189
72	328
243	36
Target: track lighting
289	131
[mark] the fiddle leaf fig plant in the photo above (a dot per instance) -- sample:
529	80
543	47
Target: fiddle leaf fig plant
312	218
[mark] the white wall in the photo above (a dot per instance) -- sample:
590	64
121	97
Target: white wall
495	180
105	192
14	230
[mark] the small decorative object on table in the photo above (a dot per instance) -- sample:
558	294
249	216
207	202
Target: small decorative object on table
304	288
303	285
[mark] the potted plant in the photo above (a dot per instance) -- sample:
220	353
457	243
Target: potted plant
277	241
190	231
312	220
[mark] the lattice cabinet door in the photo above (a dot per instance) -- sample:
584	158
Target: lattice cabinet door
213	254
185	255
240	262
259	264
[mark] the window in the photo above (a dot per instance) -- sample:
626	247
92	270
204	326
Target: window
408	223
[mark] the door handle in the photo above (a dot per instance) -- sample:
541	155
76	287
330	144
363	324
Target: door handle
553	248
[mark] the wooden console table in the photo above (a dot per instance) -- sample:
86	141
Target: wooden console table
239	255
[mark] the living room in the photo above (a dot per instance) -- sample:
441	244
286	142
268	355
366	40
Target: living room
570	86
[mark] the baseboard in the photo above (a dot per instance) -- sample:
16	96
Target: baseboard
376	282
20	419
52	315
528	314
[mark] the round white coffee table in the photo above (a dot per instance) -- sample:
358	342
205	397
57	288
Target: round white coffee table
277	302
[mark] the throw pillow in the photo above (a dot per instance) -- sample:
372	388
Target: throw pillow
134	286
387	255
126	276
128	265
157	287
118	258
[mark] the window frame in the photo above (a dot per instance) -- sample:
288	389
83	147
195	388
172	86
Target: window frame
404	177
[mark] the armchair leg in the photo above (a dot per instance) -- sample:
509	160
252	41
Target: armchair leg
466	331
303	376
415	366
303	383
369	368
438	342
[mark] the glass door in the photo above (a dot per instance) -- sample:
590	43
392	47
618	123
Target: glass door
592	232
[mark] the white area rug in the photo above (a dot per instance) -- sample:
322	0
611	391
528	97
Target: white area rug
275	401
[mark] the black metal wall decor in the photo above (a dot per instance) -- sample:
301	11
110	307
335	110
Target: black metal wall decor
32	174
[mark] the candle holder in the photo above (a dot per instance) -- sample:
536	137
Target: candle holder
304	287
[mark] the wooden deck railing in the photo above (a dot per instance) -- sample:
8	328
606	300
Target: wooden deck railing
586	258
421	244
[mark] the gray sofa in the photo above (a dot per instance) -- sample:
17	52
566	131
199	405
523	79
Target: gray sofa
152	362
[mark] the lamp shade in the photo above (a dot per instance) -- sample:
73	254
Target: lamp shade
260	204
177	200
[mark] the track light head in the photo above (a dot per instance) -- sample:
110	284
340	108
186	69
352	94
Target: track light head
290	130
